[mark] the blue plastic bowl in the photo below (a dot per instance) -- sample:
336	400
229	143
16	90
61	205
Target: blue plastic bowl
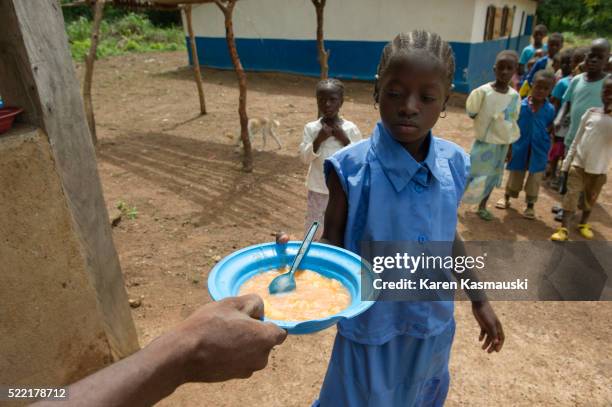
229	274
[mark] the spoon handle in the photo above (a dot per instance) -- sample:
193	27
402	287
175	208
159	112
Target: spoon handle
304	247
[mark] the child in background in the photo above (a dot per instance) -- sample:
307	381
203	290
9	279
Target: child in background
578	57
586	165
321	139
495	108
584	91
566	66
555	43
539	32
401	184
529	152
558	148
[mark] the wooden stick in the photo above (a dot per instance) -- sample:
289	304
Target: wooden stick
89	67
323	54
195	59
247	159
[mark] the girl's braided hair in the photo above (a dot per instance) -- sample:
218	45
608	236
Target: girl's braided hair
332	83
431	44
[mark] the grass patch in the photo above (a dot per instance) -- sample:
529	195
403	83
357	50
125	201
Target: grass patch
130	33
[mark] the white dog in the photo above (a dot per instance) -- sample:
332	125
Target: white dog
264	126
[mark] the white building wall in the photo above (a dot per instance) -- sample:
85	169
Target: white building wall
480	15
355	20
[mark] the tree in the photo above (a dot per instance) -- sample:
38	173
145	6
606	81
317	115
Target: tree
89	66
227	7
580	16
323	54
195	59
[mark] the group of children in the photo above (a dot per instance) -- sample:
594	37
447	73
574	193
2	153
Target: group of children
404	184
564	115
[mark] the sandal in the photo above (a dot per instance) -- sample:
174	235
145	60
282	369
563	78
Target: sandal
485	214
561	235
585	230
502	204
529	213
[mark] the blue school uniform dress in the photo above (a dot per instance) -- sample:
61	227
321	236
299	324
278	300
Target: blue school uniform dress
530	151
396	353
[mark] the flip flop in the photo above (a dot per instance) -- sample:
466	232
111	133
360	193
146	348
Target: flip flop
485	214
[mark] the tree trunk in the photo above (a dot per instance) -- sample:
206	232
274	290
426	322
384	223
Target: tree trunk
89	66
247	160
323	54
195	60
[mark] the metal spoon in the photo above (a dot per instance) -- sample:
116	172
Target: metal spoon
286	282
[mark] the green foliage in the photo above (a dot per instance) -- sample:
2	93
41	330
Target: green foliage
592	17
130	211
129	33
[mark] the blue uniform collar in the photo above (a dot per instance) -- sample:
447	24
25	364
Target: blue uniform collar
397	163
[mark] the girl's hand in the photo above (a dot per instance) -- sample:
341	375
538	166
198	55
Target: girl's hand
281	237
509	154
491	330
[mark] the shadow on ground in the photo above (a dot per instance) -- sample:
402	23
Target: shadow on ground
209	174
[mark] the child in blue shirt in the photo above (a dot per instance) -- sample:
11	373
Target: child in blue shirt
555	43
556	98
539	32
529	153
401	184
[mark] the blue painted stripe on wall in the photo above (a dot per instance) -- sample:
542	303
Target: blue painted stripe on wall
347	60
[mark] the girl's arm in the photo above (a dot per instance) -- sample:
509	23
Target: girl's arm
311	143
474	102
336	212
491	330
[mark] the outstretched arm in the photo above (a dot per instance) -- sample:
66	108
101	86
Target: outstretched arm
220	341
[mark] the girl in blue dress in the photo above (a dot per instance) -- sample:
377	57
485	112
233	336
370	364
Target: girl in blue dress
401	184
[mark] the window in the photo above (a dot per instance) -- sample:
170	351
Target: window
490	23
504	21
499	22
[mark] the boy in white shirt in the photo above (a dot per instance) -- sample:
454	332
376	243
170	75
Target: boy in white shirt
322	138
586	165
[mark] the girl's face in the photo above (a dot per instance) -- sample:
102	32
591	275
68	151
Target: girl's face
329	101
413	93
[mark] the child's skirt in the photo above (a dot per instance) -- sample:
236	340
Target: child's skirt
486	172
315	211
406	371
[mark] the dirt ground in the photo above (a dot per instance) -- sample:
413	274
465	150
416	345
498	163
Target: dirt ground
195	206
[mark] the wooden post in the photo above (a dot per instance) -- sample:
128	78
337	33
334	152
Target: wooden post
89	67
195	59
227	9
323	54
37	74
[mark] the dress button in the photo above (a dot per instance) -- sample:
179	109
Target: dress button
422	239
418	188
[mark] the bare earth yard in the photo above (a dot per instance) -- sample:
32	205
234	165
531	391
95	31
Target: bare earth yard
182	173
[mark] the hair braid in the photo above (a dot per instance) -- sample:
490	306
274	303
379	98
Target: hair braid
331	82
417	40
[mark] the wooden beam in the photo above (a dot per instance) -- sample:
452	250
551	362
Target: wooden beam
89	67
37	74
323	54
195	59
227	8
